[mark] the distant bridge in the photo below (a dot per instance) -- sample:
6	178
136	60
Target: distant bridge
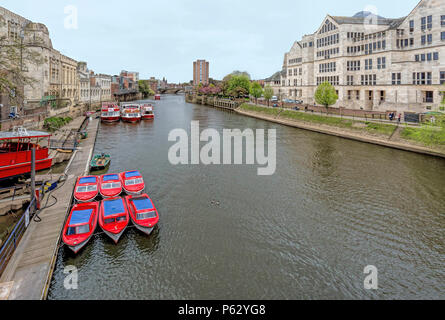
171	90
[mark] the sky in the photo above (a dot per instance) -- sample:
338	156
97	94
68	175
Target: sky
162	38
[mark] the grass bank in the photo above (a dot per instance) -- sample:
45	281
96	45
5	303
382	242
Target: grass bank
369	127
427	135
55	123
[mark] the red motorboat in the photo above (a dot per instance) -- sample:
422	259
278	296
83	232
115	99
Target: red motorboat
147	112
80	226
87	189
110	185
15	152
131	113
143	213
158	97
110	112
114	218
133	182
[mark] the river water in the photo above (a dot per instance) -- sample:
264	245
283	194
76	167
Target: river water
332	208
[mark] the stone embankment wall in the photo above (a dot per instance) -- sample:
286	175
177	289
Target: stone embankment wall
213	101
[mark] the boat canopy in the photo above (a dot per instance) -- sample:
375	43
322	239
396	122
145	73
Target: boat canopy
143	204
132	174
88	180
111	177
113	207
23	135
80	217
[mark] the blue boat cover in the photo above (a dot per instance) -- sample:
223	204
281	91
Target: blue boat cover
132	174
113	207
143	204
111	177
80	217
88	180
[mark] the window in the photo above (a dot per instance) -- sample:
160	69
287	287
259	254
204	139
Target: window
381	63
368	64
442	36
423	23
396	78
422	78
430	38
411	26
417	58
442	77
436	56
442	21
430	22
423	40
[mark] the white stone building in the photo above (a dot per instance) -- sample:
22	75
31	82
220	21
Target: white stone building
374	63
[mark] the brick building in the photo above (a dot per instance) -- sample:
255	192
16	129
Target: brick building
201	72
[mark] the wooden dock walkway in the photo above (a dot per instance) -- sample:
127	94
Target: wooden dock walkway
29	272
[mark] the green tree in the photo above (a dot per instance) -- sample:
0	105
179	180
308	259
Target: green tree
145	89
268	94
326	95
256	91
238	86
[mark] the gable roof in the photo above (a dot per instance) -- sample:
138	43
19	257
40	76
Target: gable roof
275	77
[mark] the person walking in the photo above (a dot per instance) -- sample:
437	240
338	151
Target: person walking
399	119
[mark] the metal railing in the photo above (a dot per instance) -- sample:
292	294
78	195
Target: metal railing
68	144
16	235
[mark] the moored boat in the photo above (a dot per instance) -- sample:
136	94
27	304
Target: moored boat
15	152
80	226
133	182
147	112
143	213
110	112
100	162
114	218
110	185
86	189
131	113
157	97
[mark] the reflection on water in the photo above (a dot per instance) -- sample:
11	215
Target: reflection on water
333	207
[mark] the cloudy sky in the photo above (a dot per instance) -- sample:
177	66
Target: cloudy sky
162	38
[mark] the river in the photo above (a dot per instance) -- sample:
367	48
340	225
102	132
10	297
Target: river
333	207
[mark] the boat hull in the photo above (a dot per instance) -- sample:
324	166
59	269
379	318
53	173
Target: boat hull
146	230
114	236
110	119
148	117
134	193
77	248
23	168
131	120
85	200
109	196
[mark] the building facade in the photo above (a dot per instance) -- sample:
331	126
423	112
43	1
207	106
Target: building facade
201	72
275	83
84	82
54	75
373	62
